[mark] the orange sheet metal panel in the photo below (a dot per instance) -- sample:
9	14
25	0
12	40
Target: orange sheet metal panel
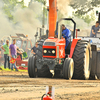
61	44
52	17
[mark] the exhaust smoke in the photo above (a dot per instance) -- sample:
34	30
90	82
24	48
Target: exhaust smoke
28	19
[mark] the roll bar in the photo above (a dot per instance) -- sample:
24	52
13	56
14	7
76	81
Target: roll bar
66	19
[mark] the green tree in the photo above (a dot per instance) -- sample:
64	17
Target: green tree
84	9
84	6
87	17
9	6
42	1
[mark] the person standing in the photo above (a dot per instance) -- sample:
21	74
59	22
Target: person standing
34	49
19	53
94	29
6	54
2	43
13	53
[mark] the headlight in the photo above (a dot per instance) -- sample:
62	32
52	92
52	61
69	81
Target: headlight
45	51
53	51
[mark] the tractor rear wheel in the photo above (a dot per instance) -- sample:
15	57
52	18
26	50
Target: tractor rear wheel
81	57
68	68
32	67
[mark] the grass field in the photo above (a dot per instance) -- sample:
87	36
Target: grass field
7	69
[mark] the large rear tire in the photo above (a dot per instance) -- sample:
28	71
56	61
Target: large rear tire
81	57
31	67
68	68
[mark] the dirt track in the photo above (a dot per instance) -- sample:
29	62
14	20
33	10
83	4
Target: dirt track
18	86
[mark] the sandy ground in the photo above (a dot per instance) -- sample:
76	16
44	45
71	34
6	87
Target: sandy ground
18	86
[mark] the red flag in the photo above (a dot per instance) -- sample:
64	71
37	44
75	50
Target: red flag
12	60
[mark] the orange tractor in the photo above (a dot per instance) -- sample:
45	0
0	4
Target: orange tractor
51	56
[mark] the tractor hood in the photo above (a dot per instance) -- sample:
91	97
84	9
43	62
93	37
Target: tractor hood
54	41
54	48
50	41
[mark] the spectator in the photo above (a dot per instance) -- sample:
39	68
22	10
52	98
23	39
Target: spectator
94	29
34	49
2	43
13	53
19	53
6	54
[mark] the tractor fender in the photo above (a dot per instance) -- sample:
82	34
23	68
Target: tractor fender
73	45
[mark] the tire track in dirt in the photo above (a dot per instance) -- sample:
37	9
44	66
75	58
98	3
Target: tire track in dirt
18	86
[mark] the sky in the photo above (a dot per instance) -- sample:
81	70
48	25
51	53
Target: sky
27	1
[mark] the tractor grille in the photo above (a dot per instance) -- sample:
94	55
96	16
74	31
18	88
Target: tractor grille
49	43
49	52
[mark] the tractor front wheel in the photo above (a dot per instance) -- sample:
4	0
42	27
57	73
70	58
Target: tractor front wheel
68	68
31	67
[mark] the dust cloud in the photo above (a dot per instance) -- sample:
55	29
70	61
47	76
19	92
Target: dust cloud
85	28
26	18
63	6
6	27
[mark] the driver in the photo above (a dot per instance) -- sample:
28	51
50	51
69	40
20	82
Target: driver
66	34
94	29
